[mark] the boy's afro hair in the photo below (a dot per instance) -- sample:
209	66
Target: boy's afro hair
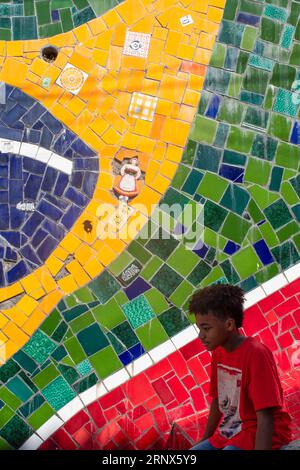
224	300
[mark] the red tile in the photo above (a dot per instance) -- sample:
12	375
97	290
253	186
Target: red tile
145	422
296	315
189	382
111	445
271	317
285	340
76	422
267	338
287	306
173	404
205	358
152	403
146	441
159	369
270	302
64	441
107	433
198	399
192	67
121	440
49	444
137	412
138	389
287	323
112	398
161	419
291	289
296	333
111	414
181	412
275	329
197	370
129	428
254	320
205	387
163	391
84	439
168	376
97	415
192	349
282	361
122	408
178	389
178	363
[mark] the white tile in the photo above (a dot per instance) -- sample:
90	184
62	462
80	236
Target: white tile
139	365
254	296
69	410
43	155
184	337
93	393
60	163
52	425
33	443
162	351
116	379
28	150
274	284
293	273
136	44
7	145
186	20
72	79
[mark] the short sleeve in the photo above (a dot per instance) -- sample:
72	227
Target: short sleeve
213	387
264	384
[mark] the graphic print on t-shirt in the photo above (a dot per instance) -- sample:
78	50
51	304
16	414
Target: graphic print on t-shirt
229	389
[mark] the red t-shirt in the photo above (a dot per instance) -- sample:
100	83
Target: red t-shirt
245	381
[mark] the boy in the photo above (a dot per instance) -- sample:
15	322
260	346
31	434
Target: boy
245	386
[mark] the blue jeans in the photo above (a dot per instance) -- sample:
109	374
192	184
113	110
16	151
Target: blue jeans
205	445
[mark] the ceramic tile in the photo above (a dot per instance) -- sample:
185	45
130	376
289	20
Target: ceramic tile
136	44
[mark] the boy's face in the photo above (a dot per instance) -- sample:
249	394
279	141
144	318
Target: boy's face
214	331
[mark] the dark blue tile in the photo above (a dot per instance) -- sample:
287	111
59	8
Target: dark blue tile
76	197
20	97
82	149
32	136
49	210
61	184
17	217
1	252
232	173
231	248
139	286
251	20
11	117
39	236
61	203
17	272
33	114
28	253
33	166
3	172
295	137
77	179
4	216
200	249
52	123
2	277
46	248
71	216
13	134
47	138
14	238
213	107
16	192
32	224
15	167
89	183
3	159
55	15
55	230
63	142
32	187
3	197
263	252
49	179
10	255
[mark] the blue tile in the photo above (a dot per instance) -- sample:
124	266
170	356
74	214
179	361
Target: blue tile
231	58
15	167
133	353
16	192
89	183
61	184
47	138
33	114
32	224
32	187
55	15
139	286
63	142
17	272
70	217
76	197
10	255
17	217
49	179
251	20
263	252
200	249
11	117
13	134
4	216
52	123
82	149
28	253
232	173
295	137
14	238
39	236
231	248
46	248
20	97
61	203
213	107
54	229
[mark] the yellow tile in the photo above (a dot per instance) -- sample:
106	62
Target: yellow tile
119	35
93	267
156	50
196	82
135	81
206	41
134	63
174	154
62	114
11	291
39	66
186	52
152	171
30	283
3	320
143	127
114	58
70	243
160	33
38	293
146	145
15	48
67	284
106	255
63	40
155	71
3	45
160	184
111	18
217	3
16	316
3	338
114	119
172	63
54	265
82	33
215	14
106	181
82	122
146	200
134	226
84	253
164	107
150	87
144	25
46	278
97	26
188	109
159	151
81	62
76	105
168	169
11	348
131	11
116	244
104	40
200	7
90	138
176	132
130	140
77	272
100	56
171	88
27	304
111	136
60	253
34	322
15	334
8	72
202	56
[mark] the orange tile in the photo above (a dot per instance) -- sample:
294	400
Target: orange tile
115	120
97	26
76	105
135	63
93	267
193	68
215	14
84	253
46	279
152	171
81	62
70	243
104	40
16	316
188	109
54	265
150	87
50	301
15	48
131	11
130	140
11	291
206	41
99	126
111	18
111	136
8	72
33	322
146	145
3	320
60	253
173	42
171	62
155	71
67	284
100	57
168	169
27	304
171	88
196	82
106	255
146	200
157	127
160	184
200	7
15	334
78	273
160	33
144	25
159	151
202	56
119	35
186	52
176	132
38	293
30	283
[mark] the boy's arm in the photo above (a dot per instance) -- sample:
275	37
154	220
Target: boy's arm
213	419
265	429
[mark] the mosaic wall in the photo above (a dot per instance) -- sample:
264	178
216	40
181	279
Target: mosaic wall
218	196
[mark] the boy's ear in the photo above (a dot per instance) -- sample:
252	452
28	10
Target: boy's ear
230	324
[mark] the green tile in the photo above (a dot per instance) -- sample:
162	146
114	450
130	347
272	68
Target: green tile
109	315
39	417
84	295
49	30
92	339
8	370
199	273
84	367
280	127
217	80
256	80
283	76
85	383
269	98
151	268
286	255
295	56
6	414
75	350
9	398
230	9
166	280
218	55
230	273
16	432
264	147
138	311
286	103
288	193
254	212
82	322
45	376
278	214
270	30
183	260
212	187
256	118
215	274
235	85
125	335
251	7
121	262
69	373
58	393
43	12
24	28
105	362
174	320
262	197
104	287
162	244
235	199
231	111
3	444
66	20
139	252
257	171
203	129
50	324
187	157
214	215
156	300
295	13
288	155
276	13
207	158
57	4
267	273
288	231
235	228
231	33
240	140
152	334
246	262
39	347
19	388
182	293
249	38
242	61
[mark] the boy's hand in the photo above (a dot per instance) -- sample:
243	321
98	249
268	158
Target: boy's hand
265	429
